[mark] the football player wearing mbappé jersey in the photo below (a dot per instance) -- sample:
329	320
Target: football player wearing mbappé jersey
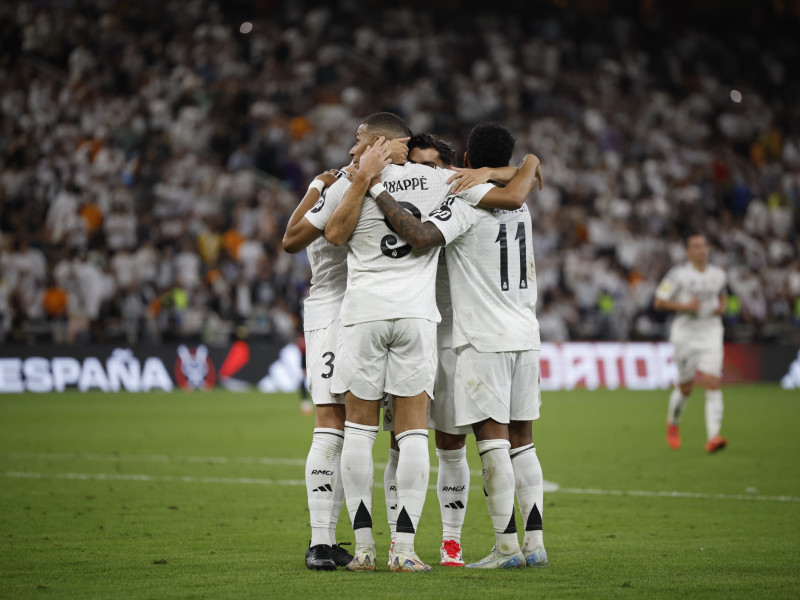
321	327
388	341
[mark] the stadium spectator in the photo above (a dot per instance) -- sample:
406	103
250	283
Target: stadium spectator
196	123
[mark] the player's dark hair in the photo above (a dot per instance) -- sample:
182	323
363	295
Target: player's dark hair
690	234
490	145
387	124
423	141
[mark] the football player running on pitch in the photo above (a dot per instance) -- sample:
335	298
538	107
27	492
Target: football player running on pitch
695	292
495	335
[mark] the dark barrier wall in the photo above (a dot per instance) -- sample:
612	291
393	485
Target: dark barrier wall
242	365
270	367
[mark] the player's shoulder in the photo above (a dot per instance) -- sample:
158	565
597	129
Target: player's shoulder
415	170
717	274
500	213
676	273
338	186
683	268
716	271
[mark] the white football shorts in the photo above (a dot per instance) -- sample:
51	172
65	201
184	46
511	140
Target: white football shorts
396	357
321	348
692	358
442	413
502	386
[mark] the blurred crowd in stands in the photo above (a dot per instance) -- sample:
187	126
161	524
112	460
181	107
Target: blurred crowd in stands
152	153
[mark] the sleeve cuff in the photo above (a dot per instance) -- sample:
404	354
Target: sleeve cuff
376	190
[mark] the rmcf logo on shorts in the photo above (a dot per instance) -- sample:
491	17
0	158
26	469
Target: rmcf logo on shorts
194	369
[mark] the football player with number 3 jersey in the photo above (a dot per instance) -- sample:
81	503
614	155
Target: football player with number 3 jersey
321	329
695	292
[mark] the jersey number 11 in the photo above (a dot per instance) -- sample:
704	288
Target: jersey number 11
523	272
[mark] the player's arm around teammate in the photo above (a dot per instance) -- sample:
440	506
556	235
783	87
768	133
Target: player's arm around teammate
466	178
299	231
423	235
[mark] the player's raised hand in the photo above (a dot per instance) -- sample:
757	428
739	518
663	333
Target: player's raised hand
538	173
375	158
328	177
399	149
467	178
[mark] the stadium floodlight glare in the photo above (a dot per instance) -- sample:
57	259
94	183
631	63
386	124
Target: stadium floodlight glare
246	27
736	96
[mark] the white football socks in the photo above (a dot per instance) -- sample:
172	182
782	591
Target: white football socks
323	481
452	489
390	491
338	498
714	409
530	494
677	402
413	469
358	478
498	487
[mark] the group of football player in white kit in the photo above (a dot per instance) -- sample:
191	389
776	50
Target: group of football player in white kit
423	303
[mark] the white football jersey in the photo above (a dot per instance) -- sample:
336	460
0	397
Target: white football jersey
492	275
328	271
682	283
444	333
386	279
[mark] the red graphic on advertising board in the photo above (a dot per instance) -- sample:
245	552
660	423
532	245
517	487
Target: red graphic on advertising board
238	356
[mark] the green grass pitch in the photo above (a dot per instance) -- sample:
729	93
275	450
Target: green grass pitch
201	496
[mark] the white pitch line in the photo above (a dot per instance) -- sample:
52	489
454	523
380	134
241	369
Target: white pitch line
159	458
676	494
299	482
163	458
157	478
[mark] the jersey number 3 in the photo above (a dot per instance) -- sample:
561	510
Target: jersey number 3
328	363
523	271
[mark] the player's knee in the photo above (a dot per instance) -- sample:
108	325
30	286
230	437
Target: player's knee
520	433
364	412
490	430
331	416
448	441
686	388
